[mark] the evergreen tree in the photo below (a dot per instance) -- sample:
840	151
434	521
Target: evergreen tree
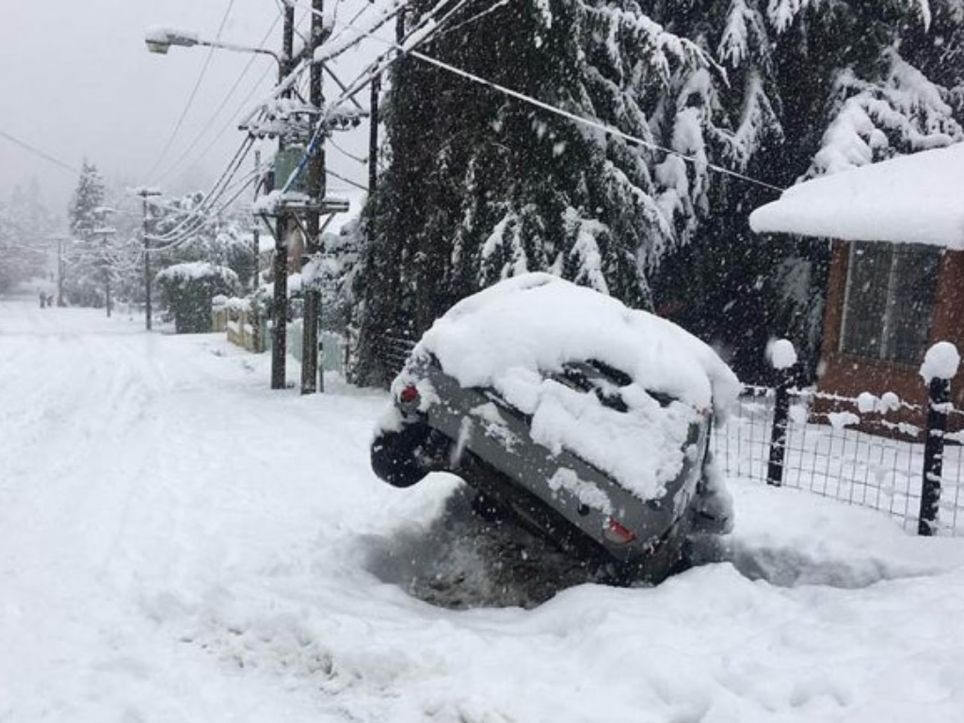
88	197
25	229
480	186
87	258
812	87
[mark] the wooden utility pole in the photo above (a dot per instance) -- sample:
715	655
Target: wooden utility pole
255	231
146	193
105	234
60	268
313	374
373	136
279	347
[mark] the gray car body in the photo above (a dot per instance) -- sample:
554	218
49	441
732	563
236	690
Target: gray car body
506	445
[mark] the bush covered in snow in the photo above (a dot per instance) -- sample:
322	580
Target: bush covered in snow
189	290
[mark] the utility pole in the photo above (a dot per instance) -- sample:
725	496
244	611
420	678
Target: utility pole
60	271
255	231
279	347
105	234
146	193
310	369
373	136
60	238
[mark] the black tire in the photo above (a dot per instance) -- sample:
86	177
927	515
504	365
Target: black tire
403	458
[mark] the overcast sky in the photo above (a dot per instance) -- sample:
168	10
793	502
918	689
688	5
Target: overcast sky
76	81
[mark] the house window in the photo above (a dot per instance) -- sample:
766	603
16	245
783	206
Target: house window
889	300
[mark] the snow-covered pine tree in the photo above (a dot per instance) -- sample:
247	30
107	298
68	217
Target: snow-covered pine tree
19	258
481	186
83	280
88	196
811	87
25	229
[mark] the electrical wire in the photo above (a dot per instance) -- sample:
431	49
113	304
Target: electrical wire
242	106
592	123
211	218
346	180
42	154
219	187
193	94
224	101
208	200
200	220
352	156
478	16
423	32
189	226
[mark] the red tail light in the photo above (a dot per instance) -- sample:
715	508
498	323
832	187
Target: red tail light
409	395
618	533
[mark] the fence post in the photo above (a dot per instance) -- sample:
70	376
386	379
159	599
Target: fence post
782	357
939	367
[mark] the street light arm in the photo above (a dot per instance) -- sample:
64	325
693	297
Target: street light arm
160	40
240	48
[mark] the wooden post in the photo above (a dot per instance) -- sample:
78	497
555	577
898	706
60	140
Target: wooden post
280	301
313	373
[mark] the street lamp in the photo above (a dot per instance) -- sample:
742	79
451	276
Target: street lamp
159	40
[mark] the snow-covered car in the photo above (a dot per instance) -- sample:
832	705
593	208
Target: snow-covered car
584	420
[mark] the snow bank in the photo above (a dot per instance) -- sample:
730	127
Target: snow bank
509	335
175	558
908	199
940	362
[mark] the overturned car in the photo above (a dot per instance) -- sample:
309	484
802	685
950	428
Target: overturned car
570	414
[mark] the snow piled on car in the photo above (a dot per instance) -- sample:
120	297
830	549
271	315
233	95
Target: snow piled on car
511	336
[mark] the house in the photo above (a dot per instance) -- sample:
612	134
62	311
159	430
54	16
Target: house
896	282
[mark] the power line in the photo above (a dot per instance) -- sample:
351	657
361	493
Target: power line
193	95
234	117
220	186
478	16
347	154
592	123
423	32
191	234
224	101
42	154
346	180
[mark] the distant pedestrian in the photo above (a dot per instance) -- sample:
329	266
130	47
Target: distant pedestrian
43	299
50	300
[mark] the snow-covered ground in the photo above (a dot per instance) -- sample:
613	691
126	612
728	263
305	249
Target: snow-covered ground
178	543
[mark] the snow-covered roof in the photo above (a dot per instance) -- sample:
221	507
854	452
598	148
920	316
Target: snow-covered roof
195	270
908	199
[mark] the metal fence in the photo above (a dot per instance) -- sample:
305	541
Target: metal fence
862	451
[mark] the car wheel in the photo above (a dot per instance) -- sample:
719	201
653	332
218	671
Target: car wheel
396	456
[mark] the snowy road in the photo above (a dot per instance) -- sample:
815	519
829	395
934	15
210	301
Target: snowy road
178	543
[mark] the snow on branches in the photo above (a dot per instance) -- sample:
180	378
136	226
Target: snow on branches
903	113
